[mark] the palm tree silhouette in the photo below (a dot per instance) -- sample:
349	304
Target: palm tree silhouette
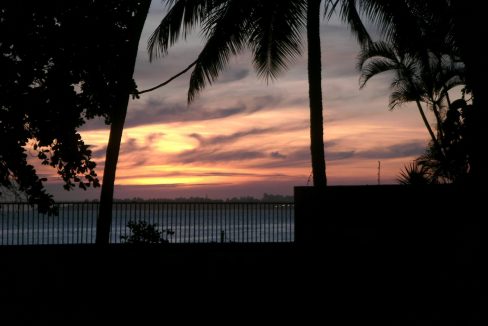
380	57
117	120
415	80
464	21
468	22
271	30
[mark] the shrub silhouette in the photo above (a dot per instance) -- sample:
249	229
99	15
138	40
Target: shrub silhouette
145	233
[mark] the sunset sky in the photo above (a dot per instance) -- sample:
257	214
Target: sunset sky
246	137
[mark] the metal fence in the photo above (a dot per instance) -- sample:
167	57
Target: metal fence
179	222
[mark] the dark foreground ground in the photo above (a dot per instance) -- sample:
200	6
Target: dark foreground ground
395	267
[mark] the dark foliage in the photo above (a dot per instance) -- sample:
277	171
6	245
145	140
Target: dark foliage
442	26
62	63
415	174
146	233
453	165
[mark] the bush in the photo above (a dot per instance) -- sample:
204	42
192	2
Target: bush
145	233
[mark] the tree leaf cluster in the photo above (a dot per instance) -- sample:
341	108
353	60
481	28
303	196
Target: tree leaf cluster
62	63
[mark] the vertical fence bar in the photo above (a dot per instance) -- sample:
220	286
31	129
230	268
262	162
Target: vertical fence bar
247	222
237	215
23	223
187	220
211	221
17	240
10	225
216	221
79	208
76	217
28	224
192	218
48	228
36	214
3	226
181	221
58	233
275	213
173	221
158	218
2	215
92	219
84	208
192	212
224	215
241	222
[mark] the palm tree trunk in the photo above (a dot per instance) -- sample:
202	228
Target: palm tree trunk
438	119
315	94
427	125
117	118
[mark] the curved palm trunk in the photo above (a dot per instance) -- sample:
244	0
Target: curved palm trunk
104	219
438	119
315	94
429	128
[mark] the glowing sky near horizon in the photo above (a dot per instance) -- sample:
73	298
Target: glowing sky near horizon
243	136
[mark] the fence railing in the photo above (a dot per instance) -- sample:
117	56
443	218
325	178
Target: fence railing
208	222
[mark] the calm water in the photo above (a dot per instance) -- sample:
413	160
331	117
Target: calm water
189	223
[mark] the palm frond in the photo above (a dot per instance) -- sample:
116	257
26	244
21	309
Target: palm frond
373	67
350	15
394	20
275	38
226	36
330	7
415	174
182	17
403	93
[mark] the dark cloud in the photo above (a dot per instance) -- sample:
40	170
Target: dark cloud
294	157
173	174
131	150
394	151
338	155
99	152
141	153
134	152
204	155
226	139
277	155
233	74
154	136
300	157
155	111
266	101
159	111
95	124
211	149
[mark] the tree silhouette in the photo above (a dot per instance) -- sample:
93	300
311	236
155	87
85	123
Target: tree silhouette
415	80
134	25
460	22
271	30
61	65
